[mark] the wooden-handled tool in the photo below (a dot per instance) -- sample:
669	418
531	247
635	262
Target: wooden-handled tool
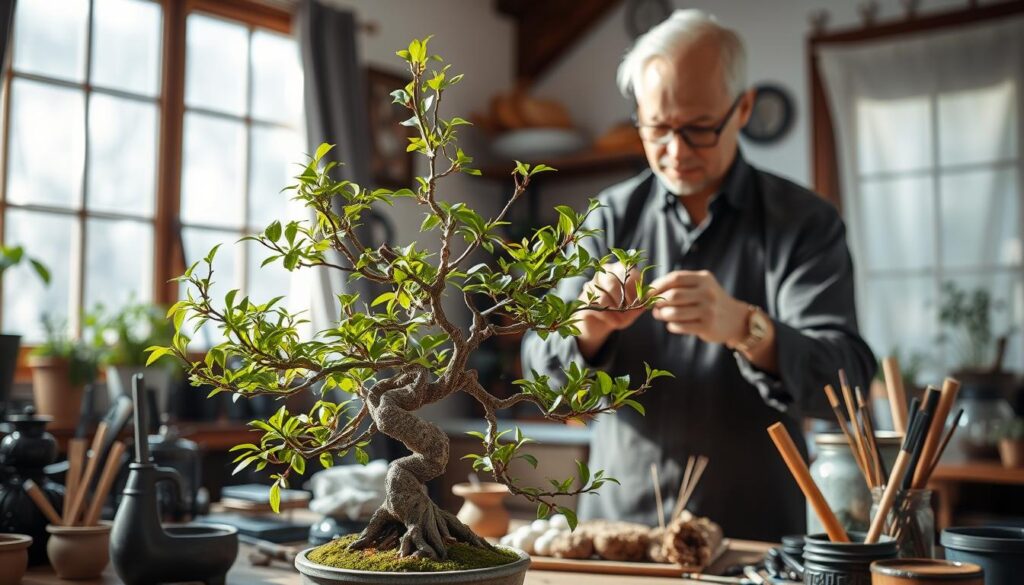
897	394
110	469
950	388
895	480
76	455
78	498
798	468
42	503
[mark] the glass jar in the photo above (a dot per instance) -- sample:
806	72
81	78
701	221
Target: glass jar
985	411
911	522
841	482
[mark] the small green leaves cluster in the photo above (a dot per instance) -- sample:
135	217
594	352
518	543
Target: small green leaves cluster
11	256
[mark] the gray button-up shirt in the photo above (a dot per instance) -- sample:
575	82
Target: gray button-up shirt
772	244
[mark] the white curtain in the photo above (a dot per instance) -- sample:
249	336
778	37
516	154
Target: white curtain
928	138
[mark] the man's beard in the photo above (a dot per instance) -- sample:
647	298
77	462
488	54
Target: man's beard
678	187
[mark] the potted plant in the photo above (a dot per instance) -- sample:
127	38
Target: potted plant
11	256
404	349
61	367
121	339
1011	443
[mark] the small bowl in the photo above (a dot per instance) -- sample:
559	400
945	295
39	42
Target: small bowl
13	557
79	552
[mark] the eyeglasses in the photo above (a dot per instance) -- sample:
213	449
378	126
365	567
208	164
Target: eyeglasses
695	136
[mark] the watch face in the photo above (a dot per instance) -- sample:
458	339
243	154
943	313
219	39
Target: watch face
758	324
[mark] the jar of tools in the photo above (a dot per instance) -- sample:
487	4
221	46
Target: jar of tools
840	480
911	522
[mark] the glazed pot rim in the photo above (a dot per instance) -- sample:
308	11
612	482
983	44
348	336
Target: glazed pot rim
821	540
994	539
102	528
905	568
203	530
308	567
888	438
14	541
484	487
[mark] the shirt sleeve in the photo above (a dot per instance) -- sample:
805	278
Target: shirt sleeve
815	321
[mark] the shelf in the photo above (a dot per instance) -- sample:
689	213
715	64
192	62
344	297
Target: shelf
590	162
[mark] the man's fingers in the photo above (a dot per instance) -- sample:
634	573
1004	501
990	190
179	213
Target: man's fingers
682	296
678	279
676	313
691	328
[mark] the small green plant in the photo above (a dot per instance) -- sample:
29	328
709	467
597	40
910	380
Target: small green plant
404	349
122	337
82	357
966	317
11	256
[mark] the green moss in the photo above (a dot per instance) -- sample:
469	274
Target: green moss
461	557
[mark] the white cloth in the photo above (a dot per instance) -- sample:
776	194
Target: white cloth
348	491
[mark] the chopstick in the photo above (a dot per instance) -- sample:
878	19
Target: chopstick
110	469
680	503
841	419
76	452
924	418
950	388
702	463
803	478
851	407
869	432
657	496
897	394
41	502
90	471
945	443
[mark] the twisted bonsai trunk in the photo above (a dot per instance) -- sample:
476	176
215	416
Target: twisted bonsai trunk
408	519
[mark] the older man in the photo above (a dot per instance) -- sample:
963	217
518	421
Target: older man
757	310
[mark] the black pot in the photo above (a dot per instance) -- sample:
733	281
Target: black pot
997	549
9	345
843	562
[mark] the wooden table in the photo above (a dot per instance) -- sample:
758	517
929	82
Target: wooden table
946	480
242	573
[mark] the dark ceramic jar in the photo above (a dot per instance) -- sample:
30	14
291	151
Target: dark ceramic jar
849	563
23	455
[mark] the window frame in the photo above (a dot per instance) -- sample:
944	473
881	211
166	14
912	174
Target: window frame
167	244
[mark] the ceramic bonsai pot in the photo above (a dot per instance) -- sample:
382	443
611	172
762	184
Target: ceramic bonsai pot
513	573
483	511
13	557
53	392
79	552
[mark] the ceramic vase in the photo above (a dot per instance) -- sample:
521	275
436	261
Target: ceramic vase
484	511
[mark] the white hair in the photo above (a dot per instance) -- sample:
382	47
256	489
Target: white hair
668	38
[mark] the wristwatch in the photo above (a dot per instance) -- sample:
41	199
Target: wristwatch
758	325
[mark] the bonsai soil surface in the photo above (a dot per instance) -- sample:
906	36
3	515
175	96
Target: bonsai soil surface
461	557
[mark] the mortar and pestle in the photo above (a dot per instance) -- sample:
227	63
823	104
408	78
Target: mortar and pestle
143	551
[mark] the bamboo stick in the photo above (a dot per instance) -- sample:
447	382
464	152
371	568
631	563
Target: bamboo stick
841	419
851	408
950	388
76	452
702	463
680	504
869	432
790	454
657	496
897	394
945	443
110	469
41	502
892	485
90	471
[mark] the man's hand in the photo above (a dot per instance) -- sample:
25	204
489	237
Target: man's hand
611	289
693	303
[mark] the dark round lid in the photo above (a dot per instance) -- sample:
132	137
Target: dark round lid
930	569
793	541
998	539
29	415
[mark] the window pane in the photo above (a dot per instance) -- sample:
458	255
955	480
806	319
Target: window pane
978	125
49	38
198	243
126	45
47	144
980	216
118	262
216	64
898	223
269	281
213	173
275	153
899	315
1006	291
122	155
894	135
277	78
51	239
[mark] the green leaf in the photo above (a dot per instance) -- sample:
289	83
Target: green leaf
298	464
322	150
635	406
156	353
41	270
326	460
584	473
543	510
210	256
570	516
275	498
529	459
273	231
362	457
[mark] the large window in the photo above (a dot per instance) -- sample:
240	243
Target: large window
85	185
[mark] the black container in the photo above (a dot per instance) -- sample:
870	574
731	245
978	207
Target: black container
999	550
849	563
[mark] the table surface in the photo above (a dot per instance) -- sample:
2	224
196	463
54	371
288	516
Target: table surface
978	472
279	573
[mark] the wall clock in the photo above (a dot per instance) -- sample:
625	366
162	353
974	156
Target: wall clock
772	116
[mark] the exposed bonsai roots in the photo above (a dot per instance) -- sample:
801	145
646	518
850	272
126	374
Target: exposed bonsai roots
408	520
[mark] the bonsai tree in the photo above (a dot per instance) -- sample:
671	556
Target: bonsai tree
402	350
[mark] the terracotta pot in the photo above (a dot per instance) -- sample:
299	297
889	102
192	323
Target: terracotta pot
1011	451
483	511
53	393
925	572
13	557
79	552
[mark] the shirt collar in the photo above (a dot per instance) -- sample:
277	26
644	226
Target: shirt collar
735	190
